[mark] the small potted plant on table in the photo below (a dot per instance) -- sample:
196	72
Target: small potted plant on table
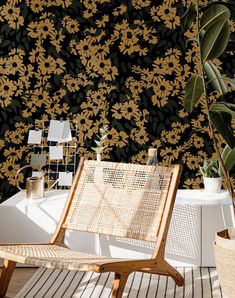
211	178
212	171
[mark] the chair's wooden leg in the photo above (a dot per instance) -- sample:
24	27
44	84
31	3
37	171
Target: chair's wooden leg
178	278
119	284
7	271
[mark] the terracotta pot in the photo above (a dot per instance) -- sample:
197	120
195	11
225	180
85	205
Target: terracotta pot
212	184
224	248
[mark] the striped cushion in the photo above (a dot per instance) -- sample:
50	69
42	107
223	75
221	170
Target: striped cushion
56	283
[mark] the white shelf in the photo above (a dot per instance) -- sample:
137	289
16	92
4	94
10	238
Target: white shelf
202	197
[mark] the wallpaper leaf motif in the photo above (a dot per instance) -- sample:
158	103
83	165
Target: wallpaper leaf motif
118	63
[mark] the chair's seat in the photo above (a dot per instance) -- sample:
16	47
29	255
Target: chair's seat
53	256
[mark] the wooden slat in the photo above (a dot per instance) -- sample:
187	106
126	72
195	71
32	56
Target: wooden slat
139	285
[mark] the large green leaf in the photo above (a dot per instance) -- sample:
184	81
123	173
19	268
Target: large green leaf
214	77
193	92
231	81
215	40
224	107
222	122
228	157
213	14
188	17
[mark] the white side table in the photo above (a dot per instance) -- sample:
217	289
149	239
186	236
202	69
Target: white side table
196	218
199	214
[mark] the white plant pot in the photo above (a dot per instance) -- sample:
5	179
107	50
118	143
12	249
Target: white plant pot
212	184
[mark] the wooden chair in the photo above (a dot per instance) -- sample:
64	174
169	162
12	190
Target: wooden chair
118	199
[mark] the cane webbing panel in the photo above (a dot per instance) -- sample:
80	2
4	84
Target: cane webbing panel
118	199
53	256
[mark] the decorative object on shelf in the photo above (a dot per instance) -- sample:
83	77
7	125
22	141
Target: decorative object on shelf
53	159
100	142
212	172
59	131
58	144
212	184
38	160
212	38
211	178
34	185
152	156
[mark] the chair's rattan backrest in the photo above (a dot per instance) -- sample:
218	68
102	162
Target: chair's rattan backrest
119	199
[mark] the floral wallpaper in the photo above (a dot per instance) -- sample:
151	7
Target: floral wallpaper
100	62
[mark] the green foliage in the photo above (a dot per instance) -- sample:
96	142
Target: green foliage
225	107
212	15
193	92
213	37
210	169
189	17
228	157
101	140
221	121
214	77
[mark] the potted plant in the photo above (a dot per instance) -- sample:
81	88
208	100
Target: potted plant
211	178
212	171
212	37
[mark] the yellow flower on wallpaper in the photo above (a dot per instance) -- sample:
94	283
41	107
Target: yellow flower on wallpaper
102	22
171	137
129	109
7	89
71	25
83	121
72	85
36	5
120	10
192	161
138	4
139	135
169	155
198	142
136	87
193	183
13	154
112	137
116	111
47	65
14	64
11	14
161	92
141	157
56	39
171	64
167	13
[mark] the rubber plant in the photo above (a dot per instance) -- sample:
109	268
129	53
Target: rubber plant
212	37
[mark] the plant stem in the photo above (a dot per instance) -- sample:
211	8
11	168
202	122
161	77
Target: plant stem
225	173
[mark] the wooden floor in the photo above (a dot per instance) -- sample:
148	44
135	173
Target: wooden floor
20	277
199	283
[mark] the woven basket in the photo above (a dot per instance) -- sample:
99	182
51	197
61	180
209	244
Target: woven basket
224	248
